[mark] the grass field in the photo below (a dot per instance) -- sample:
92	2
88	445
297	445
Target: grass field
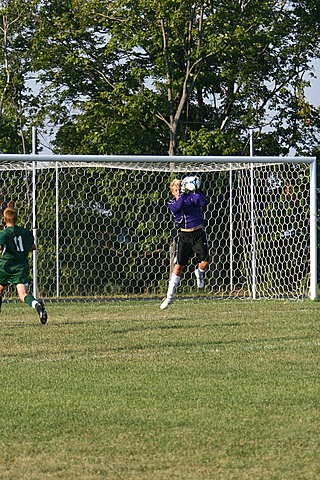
124	390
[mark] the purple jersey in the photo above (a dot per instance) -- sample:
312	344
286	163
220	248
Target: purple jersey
188	209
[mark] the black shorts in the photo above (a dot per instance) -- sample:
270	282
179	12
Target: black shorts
190	244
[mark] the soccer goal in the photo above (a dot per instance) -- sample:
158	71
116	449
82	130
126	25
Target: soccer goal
103	228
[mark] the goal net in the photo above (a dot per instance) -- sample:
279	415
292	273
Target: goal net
103	228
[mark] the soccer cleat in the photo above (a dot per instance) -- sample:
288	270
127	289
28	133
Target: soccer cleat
42	312
0	302
200	278
166	302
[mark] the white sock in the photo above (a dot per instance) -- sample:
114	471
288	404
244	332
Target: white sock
174	280
34	303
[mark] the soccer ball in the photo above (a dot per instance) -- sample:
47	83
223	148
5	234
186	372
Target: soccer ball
190	184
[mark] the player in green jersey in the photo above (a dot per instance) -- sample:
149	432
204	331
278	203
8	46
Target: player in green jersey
15	244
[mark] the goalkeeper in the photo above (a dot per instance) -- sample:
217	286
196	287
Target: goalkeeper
187	208
15	244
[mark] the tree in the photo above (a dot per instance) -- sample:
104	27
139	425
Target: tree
182	77
17	103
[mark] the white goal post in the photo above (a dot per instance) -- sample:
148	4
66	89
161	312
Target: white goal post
103	228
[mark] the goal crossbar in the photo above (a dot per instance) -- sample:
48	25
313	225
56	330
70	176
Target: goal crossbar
15	157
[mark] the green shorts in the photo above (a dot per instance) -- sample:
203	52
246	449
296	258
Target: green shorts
14	274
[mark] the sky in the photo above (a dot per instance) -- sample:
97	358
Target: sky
313	93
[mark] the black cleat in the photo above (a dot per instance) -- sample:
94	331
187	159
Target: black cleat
42	312
0	302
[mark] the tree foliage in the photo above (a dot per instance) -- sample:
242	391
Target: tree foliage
17	101
137	76
172	77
